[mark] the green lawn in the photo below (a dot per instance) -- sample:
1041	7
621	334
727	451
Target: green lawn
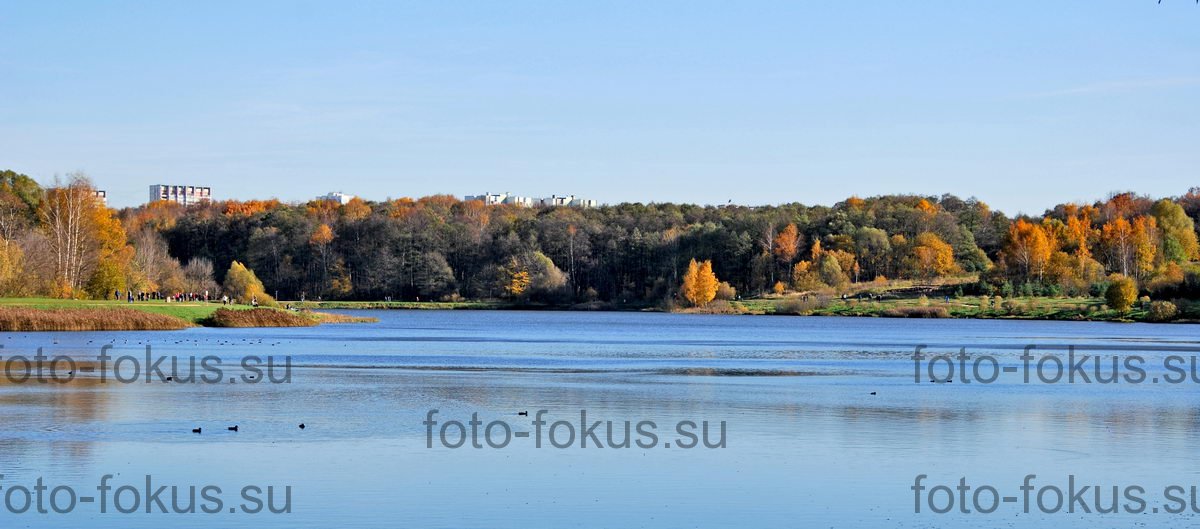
408	305
192	312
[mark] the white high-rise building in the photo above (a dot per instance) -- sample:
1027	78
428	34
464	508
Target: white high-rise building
492	199
185	195
337	196
568	201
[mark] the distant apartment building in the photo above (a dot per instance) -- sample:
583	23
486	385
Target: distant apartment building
337	196
185	195
567	201
492	199
101	196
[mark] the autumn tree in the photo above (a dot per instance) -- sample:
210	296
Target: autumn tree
11	268
242	285
700	283
787	244
932	257
1145	245
321	239
355	209
113	255
1028	249
1079	233
805	277
1118	240
516	279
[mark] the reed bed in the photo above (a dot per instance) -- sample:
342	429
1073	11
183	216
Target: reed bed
327	317
260	317
85	319
917	312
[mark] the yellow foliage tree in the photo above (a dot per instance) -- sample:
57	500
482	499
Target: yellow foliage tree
11	267
113	256
1145	245
933	257
1079	233
700	283
243	285
1028	248
1118	238
518	279
804	277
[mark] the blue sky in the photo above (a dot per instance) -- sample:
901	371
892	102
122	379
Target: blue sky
1023	104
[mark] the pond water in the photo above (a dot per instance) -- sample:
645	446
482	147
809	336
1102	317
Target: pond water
827	423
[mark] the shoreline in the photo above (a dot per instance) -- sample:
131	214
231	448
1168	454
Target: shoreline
61	315
1020	308
50	315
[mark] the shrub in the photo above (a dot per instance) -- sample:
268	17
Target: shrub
917	312
1121	293
1162	311
725	291
1007	289
801	305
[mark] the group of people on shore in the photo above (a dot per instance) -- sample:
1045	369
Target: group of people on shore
130	296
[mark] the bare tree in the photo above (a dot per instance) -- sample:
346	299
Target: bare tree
68	217
14	218
198	275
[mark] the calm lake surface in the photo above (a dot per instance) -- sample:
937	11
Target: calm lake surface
807	444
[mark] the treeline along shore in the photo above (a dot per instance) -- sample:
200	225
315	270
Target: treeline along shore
1122	257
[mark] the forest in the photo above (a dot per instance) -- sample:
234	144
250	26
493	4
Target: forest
59	241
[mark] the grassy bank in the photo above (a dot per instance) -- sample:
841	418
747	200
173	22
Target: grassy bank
898	301
404	305
1027	308
43	314
191	313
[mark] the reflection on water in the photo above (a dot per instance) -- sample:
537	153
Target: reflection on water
825	424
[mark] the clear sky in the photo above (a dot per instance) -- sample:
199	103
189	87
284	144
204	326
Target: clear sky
1021	103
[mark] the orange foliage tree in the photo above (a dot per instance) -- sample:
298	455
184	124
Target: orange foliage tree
1028	248
700	283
